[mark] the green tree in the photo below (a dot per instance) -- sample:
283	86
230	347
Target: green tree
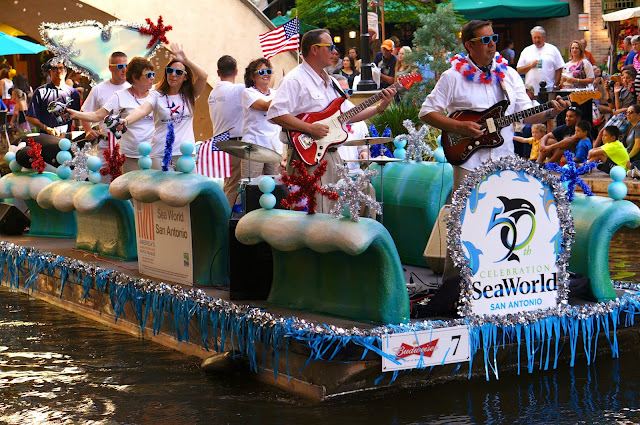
437	40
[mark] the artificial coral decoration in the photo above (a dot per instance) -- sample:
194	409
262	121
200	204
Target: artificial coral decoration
79	161
35	153
379	150
168	148
308	186
157	32
353	193
416	146
571	174
114	162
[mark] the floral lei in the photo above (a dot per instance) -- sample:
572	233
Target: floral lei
470	71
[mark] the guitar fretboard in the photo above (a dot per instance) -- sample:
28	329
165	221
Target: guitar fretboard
519	116
364	105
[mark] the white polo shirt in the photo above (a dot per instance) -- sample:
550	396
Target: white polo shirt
225	108
98	96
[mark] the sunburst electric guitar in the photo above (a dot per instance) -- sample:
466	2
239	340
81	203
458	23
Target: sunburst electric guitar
458	148
312	150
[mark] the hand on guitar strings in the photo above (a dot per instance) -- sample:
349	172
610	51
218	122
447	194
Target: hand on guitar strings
469	129
387	97
559	105
317	130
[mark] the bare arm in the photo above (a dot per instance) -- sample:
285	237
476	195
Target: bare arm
636	148
467	128
88	117
289	122
261	105
138	113
559	105
526	68
387	98
36	122
558	76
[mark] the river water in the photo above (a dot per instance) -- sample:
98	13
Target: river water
58	368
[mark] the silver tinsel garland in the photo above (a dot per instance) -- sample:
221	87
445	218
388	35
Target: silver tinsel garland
416	146
79	161
454	228
352	193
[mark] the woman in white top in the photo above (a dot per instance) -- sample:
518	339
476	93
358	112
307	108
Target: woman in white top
141	76
578	72
5	83
256	99
173	105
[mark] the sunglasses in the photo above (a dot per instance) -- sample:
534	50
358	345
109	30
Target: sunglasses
58	68
486	39
119	66
150	75
630	112
266	71
331	46
349	91
179	72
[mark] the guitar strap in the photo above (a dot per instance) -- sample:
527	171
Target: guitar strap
338	89
506	93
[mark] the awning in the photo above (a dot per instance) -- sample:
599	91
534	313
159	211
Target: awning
621	15
511	9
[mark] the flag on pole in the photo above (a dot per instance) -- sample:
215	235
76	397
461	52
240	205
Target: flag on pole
282	39
112	141
212	162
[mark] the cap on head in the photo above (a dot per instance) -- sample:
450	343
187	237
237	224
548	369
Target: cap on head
388	45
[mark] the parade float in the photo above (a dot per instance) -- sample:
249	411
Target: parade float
338	317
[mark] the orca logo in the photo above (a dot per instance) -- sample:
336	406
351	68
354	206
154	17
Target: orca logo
511	232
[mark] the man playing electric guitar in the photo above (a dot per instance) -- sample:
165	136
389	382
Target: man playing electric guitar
308	88
477	82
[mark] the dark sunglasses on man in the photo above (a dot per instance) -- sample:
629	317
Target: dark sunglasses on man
179	72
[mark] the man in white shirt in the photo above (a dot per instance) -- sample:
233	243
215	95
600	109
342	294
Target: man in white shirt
308	88
226	111
540	61
475	85
103	92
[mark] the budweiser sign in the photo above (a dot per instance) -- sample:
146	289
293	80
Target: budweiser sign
407	350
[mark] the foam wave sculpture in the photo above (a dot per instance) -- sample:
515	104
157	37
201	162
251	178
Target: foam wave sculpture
105	225
27	186
209	215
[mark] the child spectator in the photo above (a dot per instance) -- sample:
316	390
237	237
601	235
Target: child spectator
553	145
537	132
583	128
611	153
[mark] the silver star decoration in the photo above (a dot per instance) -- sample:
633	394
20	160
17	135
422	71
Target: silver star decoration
65	50
79	161
353	193
416	146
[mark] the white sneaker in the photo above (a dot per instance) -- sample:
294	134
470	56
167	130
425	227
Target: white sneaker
634	173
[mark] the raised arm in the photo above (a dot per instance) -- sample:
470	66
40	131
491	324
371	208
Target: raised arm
199	74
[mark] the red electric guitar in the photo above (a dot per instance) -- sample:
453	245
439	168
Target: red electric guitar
458	148
311	150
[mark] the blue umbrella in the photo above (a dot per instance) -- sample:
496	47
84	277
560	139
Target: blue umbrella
13	45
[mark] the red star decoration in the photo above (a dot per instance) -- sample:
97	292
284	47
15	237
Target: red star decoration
308	185
156	32
35	153
114	163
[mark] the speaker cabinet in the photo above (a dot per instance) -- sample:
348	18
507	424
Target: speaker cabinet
251	268
12	220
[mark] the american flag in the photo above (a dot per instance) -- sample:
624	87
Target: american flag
281	39
112	141
211	161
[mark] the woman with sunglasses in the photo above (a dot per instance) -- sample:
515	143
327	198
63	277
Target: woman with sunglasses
141	76
173	104
256	99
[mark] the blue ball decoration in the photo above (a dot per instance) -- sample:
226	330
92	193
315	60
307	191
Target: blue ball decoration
94	163
565	184
439	156
9	156
439	140
144	163
94	177
185	163
267	184
400	141
617	190
64	144
63	172
144	148
400	153
63	156
267	201
187	148
15	167
618	173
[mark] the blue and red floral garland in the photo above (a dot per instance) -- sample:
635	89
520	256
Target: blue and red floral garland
470	71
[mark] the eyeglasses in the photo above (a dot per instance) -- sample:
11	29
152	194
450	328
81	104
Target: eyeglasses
179	72
630	112
331	46
572	108
119	66
349	91
266	71
58	68
486	39
150	75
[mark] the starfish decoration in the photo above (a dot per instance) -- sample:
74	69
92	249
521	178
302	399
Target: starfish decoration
157	32
64	50
416	146
308	185
379	150
114	162
35	155
570	173
353	193
79	161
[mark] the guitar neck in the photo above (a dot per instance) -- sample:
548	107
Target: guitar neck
519	116
364	105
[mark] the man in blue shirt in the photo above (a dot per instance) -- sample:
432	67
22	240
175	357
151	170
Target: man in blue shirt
628	47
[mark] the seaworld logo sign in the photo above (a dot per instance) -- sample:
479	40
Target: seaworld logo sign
511	240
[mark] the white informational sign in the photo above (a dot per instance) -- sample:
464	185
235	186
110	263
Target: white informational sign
372	20
435	347
164	241
511	236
